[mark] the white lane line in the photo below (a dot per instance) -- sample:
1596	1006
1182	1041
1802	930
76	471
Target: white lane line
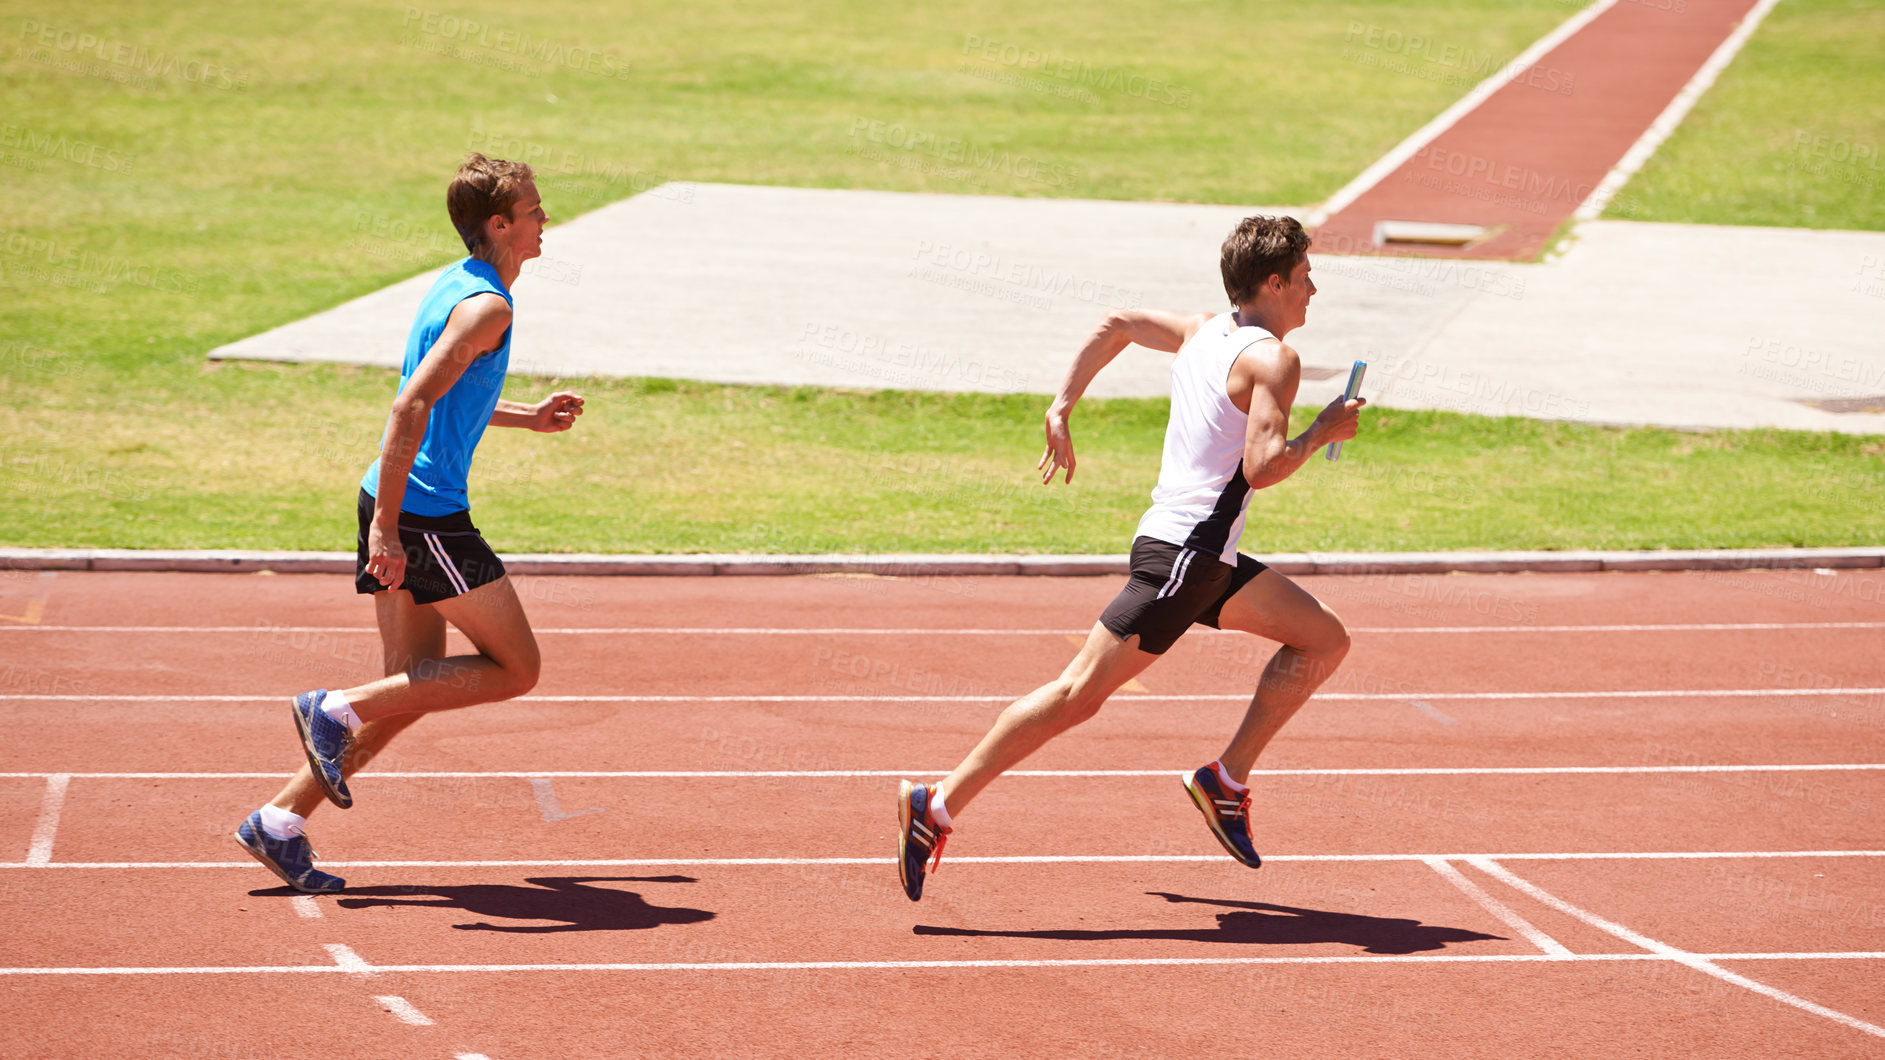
1855	955
1096	962
1432	712
1447	118
346	960
306	906
403	1010
1672	115
1669	627
470	1056
47	830
1016	859
729	774
1130	697
848	631
550	807
1696	961
1497	908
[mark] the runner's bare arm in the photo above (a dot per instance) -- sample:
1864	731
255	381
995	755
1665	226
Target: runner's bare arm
557	412
1155	329
1265	377
475	327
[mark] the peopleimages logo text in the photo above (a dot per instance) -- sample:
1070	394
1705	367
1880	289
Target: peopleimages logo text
134	58
473	33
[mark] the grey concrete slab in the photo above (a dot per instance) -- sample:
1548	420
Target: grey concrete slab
1680	325
740	284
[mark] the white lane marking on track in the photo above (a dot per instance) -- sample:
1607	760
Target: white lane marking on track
1497	908
1671	627
829	631
1202	697
47	830
1662	949
1016	859
1672	115
470	1056
1096	962
1449	117
549	806
306	906
403	1010
346	960
728	774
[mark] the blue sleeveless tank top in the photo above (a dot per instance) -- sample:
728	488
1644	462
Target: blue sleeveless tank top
436	485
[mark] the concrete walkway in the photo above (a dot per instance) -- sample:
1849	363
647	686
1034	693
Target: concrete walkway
1687	326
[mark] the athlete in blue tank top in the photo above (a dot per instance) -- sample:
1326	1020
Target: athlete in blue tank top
436	484
419	555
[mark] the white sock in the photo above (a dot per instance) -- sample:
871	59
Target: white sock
1228	783
335	706
937	811
282	824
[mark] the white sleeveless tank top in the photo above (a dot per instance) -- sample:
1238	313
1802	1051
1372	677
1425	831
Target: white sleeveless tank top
1202	494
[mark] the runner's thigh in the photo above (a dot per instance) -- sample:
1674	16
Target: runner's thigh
1275	608
492	618
410	632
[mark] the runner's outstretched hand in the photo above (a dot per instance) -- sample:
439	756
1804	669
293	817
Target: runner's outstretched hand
557	412
1059	451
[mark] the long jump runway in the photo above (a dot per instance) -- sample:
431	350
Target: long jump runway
1541	814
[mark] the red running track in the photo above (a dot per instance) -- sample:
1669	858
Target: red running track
1507	826
1523	160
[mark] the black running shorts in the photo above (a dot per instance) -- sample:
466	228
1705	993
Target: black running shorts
445	556
1171	587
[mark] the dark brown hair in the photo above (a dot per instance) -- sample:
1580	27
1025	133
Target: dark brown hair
483	188
1260	248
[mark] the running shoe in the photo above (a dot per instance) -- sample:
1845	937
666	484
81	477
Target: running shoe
918	837
327	742
1226	812
292	859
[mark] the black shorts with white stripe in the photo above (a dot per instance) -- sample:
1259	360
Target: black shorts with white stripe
445	556
1171	587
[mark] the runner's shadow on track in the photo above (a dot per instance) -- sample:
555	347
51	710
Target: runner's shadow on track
569	899
1264	924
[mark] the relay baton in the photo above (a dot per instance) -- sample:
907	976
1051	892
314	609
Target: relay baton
1354	389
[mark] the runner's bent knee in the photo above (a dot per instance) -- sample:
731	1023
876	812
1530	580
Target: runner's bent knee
1081	702
525	672
1323	635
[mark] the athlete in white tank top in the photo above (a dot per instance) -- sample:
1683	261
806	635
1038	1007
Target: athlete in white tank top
1185	566
1202	494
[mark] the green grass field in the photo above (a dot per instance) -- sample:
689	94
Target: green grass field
192	174
1791	133
660	466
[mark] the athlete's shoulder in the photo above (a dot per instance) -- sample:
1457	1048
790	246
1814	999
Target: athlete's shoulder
482	309
1268	360
477	324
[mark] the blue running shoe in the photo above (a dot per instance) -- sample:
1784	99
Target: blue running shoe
327	742
1226	812
918	838
291	859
